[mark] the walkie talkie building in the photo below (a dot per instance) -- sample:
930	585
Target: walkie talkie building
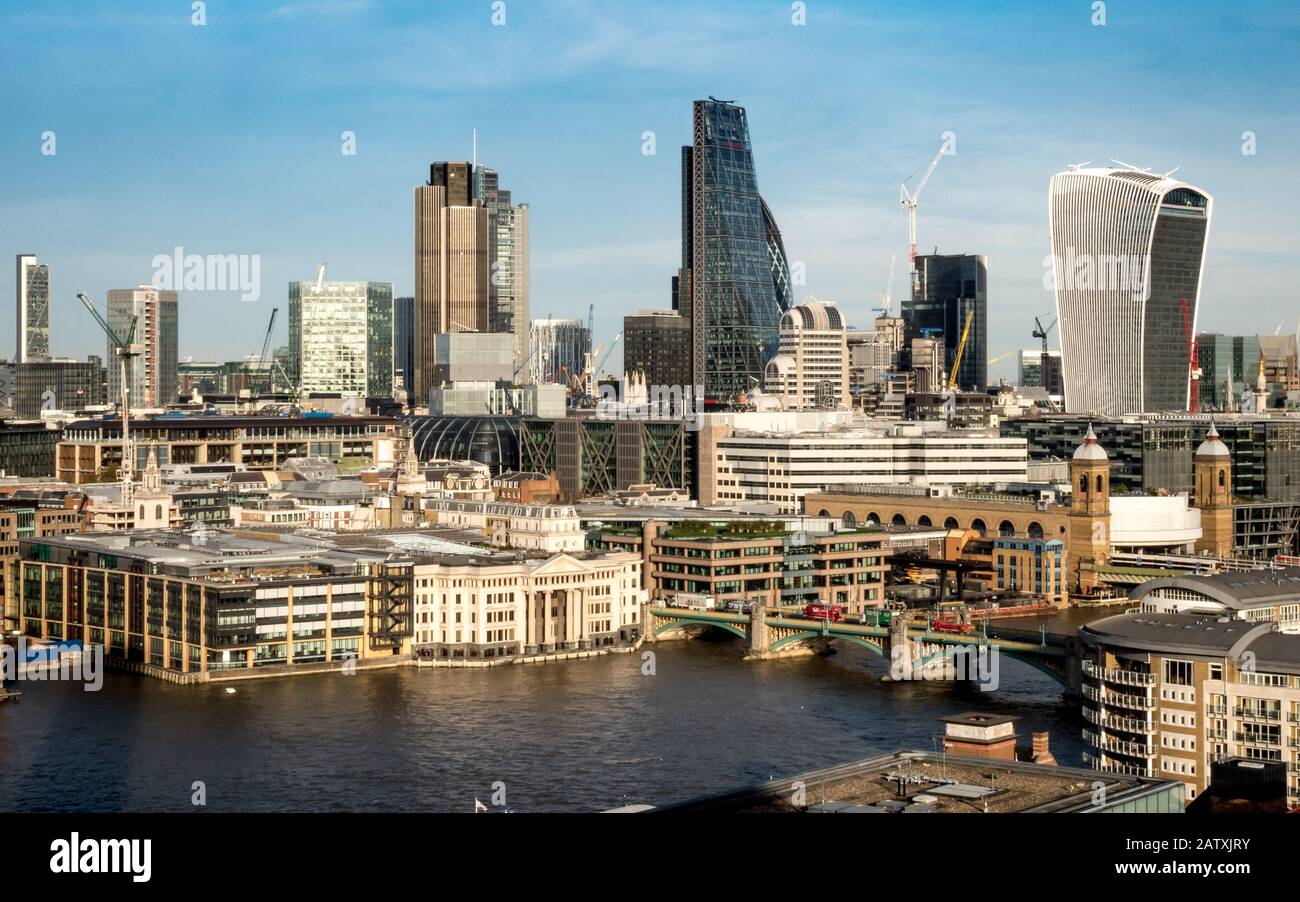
1128	248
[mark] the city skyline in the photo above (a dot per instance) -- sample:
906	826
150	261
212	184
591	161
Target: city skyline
227	158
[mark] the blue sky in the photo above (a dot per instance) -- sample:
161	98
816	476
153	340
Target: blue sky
225	139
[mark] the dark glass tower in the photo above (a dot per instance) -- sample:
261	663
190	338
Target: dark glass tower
734	283
950	287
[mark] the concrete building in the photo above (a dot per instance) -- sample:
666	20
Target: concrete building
1035	567
811	366
783	467
1256	596
657	344
91	450
452	263
1128	248
1169	695
481	608
32	301
470	357
550	528
152	375
341	338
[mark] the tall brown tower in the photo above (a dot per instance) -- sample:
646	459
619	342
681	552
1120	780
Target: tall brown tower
1213	474
1089	529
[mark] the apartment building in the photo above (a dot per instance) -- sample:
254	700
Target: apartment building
1167	695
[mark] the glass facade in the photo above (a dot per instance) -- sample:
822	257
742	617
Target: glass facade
951	286
153	375
341	337
507	260
33	296
735	275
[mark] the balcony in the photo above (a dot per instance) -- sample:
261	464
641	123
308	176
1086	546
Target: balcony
1114	722
1217	710
1257	739
1119	675
1273	715
1118	699
1119	746
1096	762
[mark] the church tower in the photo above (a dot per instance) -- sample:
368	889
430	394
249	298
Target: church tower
1089	526
1213	475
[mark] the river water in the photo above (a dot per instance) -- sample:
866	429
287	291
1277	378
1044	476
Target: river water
578	735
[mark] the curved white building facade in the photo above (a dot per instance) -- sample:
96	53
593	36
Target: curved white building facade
1127	248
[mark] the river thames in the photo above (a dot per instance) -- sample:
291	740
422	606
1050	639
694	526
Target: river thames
580	735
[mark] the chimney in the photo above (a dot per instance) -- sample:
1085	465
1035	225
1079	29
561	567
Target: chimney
1041	753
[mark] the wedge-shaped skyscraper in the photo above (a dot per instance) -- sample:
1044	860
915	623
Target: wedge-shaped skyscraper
1128	249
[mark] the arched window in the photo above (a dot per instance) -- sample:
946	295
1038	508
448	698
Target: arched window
157	511
823	513
950	523
142	512
873	519
1222	478
1099	484
1006	528
848	519
1083	485
1035	529
899	520
979	526
923	521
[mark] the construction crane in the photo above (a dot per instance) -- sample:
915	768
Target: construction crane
126	349
887	296
1193	362
1040	332
320	275
961	348
253	374
908	200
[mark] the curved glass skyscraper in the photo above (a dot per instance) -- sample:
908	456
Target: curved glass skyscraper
1127	251
735	280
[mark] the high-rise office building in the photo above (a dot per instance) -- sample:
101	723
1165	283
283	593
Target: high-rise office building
734	282
1229	365
507	263
949	288
341	338
1040	369
1127	252
452	264
404	341
152	376
657	344
33	308
560	347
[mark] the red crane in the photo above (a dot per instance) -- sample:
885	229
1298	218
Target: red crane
1193	362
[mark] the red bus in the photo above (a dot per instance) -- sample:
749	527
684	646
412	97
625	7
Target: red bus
832	612
950	626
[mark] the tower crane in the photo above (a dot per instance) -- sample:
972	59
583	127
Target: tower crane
251	374
961	347
126	349
908	200
887	296
1040	332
